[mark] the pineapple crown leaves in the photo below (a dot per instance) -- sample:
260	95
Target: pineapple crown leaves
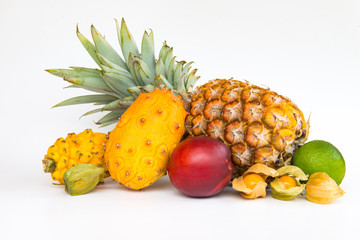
119	80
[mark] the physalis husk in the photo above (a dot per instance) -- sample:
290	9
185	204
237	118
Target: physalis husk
322	189
287	185
252	184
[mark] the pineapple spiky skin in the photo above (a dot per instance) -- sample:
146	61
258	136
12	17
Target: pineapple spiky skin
85	147
257	124
140	146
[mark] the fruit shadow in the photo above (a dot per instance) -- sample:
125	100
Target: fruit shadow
162	184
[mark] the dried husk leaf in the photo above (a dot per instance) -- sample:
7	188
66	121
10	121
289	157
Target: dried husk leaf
295	171
322	189
258	191
82	178
279	191
263	170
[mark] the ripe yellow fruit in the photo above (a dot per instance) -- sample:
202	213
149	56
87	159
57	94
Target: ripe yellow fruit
85	147
288	181
140	146
252	179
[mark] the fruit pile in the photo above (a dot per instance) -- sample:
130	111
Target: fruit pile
204	138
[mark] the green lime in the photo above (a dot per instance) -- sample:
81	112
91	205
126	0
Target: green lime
320	156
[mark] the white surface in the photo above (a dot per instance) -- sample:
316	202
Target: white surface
307	50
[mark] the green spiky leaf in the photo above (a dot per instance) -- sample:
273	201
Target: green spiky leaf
107	64
126	102
168	58
107	123
170	75
126	40
163	52
121	79
96	110
160	68
147	76
134	91
112	116
161	80
187	67
181	83
127	78
114	106
94	98
105	49
117	83
147	88
178	72
147	50
71	86
191	79
90	47
131	64
85	78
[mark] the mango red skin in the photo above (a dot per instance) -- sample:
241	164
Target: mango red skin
200	166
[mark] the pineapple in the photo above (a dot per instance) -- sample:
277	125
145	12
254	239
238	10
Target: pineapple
140	146
258	125
85	147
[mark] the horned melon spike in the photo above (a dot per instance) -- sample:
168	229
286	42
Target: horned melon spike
120	79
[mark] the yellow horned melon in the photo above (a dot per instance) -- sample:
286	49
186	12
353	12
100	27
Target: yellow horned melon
140	146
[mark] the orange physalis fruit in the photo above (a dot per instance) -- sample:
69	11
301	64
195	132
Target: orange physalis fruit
288	181
252	179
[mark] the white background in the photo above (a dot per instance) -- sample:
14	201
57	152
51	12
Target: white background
307	50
